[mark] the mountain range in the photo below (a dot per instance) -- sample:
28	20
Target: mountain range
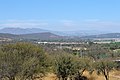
33	36
40	34
18	31
108	35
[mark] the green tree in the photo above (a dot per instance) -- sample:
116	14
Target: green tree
97	52
67	65
104	67
22	60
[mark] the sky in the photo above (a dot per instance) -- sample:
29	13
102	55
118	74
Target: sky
61	15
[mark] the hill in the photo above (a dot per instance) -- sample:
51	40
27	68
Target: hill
41	36
36	36
18	31
108	35
6	35
79	33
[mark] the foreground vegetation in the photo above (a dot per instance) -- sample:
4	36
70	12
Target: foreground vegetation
26	61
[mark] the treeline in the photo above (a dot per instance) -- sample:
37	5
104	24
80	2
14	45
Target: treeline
24	61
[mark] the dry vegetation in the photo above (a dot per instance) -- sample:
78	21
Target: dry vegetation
114	75
27	61
94	76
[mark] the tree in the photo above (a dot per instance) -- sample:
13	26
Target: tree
97	52
104	67
22	60
69	66
9	66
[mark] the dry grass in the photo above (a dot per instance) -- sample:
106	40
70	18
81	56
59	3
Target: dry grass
50	76
114	75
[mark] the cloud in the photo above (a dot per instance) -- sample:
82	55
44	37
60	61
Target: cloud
92	20
23	23
68	23
91	24
63	25
101	25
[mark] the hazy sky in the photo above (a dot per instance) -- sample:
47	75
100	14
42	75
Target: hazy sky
61	14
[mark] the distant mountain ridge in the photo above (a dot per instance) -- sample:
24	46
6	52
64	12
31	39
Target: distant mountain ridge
21	30
78	33
51	36
108	35
41	36
36	36
6	35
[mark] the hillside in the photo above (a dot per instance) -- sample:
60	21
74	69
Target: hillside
6	35
79	33
40	36
51	36
18	31
108	35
